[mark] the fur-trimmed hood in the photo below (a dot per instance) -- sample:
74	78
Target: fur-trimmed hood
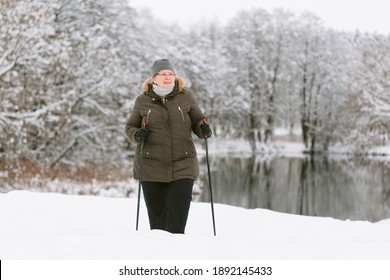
178	82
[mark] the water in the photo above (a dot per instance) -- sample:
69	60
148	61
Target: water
354	189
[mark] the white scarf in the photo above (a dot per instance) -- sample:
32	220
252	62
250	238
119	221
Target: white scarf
162	91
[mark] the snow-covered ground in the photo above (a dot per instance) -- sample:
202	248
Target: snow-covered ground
51	226
57	226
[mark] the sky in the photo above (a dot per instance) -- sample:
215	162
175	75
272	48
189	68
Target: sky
342	15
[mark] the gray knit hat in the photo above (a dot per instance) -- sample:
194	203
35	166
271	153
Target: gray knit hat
161	64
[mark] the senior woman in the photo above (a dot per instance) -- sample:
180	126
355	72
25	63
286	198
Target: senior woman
164	117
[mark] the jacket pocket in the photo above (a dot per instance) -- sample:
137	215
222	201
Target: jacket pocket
184	113
150	152
189	149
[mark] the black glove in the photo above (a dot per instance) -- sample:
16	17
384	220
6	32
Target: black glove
141	134
206	130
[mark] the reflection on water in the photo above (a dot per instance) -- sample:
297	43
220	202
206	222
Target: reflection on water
314	186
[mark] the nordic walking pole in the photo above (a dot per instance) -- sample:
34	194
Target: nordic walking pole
209	176
140	178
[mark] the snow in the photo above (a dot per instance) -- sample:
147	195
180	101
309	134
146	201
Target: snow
45	226
72	236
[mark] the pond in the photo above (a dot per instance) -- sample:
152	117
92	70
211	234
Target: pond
354	189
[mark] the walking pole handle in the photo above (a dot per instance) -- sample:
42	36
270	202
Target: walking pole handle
205	122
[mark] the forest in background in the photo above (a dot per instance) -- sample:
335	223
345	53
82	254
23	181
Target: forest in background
71	69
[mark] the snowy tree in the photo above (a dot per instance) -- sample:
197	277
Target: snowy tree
309	40
261	49
329	122
276	68
204	65
322	59
96	78
71	79
26	28
369	92
247	39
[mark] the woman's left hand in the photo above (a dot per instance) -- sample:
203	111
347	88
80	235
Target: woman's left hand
206	130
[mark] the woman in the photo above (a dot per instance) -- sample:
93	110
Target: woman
163	118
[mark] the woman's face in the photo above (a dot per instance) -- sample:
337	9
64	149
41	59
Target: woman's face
164	78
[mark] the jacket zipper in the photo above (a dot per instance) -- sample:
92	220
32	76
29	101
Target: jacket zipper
182	115
147	118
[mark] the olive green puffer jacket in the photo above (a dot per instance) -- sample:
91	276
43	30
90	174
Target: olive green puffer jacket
169	152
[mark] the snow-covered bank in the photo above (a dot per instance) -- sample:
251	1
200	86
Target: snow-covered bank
241	147
57	226
287	148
